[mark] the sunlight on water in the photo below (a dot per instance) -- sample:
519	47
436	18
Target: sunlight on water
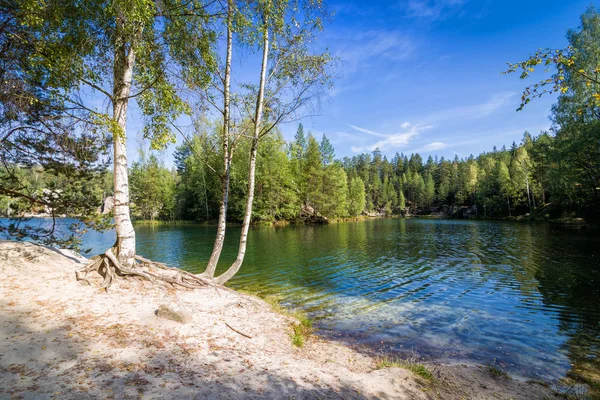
522	296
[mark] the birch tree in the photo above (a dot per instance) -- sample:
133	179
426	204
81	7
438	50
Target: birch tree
222	84
118	51
290	78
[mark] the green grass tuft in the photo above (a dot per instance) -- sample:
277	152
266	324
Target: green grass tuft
497	372
301	329
410	364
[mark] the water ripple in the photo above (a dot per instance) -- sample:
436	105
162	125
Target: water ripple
519	294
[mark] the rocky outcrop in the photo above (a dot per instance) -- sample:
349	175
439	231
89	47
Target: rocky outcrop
309	216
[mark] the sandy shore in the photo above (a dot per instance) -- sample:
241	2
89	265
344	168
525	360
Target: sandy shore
65	340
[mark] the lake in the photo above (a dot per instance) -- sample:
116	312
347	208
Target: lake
524	297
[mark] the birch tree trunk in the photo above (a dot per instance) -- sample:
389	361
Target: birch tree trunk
235	267
123	72
222	223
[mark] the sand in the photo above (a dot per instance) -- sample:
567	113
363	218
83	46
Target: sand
65	340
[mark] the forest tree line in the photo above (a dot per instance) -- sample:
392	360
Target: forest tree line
303	176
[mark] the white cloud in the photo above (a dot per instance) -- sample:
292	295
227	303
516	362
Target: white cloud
392	141
411	131
433	9
435	146
363	130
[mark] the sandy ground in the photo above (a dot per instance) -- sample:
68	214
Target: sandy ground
65	340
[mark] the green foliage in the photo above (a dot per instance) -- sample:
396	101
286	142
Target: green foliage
576	69
559	169
410	364
52	175
402	201
356	197
566	164
78	47
327	151
153	189
301	329
497	372
334	192
313	174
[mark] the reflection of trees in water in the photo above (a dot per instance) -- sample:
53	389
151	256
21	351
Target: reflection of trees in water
570	279
352	269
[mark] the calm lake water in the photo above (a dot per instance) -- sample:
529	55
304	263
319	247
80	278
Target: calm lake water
525	297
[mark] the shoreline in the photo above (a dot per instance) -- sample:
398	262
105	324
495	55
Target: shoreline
62	336
558	222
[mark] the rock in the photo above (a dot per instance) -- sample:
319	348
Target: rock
306	211
174	314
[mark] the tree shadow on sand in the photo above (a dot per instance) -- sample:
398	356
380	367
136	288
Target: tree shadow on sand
62	362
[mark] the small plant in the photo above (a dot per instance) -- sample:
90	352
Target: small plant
410	364
420	369
297	338
387	362
275	302
496	372
302	329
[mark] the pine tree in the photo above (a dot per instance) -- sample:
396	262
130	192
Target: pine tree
504	183
327	151
429	190
402	201
313	172
356	197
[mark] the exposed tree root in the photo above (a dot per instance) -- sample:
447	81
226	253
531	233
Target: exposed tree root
109	267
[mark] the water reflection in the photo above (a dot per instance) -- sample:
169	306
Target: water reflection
523	296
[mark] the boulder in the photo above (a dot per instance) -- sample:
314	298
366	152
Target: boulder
174	314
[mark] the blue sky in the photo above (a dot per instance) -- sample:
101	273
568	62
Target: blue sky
425	75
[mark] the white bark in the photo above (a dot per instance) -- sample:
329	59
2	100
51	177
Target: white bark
123	73
235	267
222	223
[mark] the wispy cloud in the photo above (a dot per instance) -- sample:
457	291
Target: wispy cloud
435	146
367	131
439	145
390	141
472	111
410	131
433	9
362	49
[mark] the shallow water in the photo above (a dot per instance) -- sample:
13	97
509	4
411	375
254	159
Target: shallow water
525	297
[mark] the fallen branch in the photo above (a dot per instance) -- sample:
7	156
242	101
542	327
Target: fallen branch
238	332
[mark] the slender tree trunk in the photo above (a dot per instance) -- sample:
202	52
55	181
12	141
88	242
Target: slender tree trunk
123	73
235	267
543	195
528	192
222	223
508	202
